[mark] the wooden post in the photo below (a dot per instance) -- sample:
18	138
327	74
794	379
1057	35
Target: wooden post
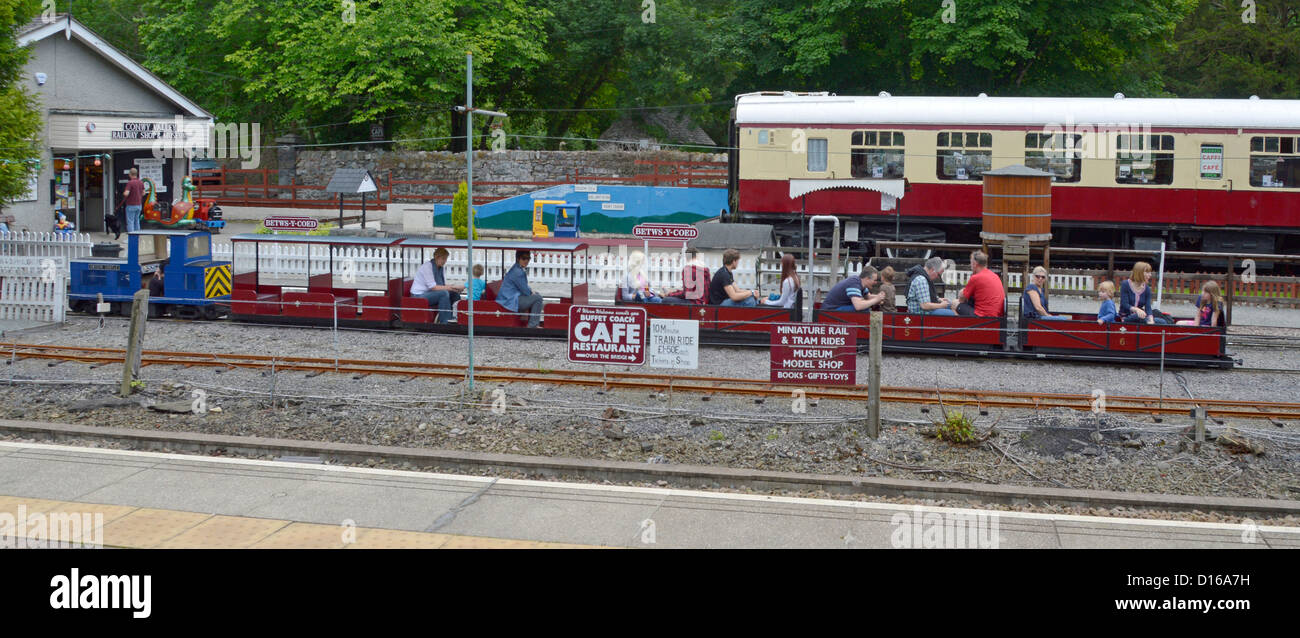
873	376
1110	266
134	340
1200	427
1227	311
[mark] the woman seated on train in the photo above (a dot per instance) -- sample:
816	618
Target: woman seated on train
789	284
1033	301
636	287
1106	293
1135	297
1209	307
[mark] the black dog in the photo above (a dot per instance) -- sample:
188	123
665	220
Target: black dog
112	223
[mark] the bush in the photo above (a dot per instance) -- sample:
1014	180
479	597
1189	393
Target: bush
459	220
956	428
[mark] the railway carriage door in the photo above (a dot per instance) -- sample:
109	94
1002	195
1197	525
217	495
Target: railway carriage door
1211	188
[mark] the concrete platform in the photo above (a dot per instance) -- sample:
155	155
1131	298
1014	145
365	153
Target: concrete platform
166	500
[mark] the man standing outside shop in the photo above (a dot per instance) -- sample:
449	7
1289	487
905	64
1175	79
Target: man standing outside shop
133	200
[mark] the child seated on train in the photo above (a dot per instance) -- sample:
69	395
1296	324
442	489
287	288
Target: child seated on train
477	285
890	303
1105	292
1209	307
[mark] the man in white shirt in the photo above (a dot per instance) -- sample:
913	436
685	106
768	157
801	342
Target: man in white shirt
430	284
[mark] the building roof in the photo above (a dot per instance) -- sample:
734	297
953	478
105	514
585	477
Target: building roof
41	28
668	128
1036	112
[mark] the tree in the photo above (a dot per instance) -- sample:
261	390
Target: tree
459	220
20	117
1221	53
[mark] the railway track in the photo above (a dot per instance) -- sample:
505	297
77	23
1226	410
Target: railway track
708	386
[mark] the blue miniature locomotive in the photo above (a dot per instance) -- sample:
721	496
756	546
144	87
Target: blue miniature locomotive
175	265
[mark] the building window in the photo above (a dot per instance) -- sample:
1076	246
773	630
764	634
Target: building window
877	154
817	155
1275	162
762	137
1144	159
1057	153
962	155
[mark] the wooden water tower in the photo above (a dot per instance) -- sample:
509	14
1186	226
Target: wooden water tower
1017	216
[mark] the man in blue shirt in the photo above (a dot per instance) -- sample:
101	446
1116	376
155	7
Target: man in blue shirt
921	298
432	285
847	296
515	295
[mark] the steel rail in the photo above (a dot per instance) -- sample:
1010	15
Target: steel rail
658	382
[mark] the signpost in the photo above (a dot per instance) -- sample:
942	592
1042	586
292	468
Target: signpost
675	343
289	223
678	232
814	354
603	334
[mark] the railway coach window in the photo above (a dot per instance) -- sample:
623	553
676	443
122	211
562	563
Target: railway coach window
1059	154
877	154
963	156
817	155
1275	162
1144	159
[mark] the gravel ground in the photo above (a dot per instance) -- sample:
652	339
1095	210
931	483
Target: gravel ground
1050	448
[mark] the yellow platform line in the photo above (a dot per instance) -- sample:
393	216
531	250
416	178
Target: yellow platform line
148	528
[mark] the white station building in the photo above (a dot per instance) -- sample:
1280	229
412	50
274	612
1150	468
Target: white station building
104	114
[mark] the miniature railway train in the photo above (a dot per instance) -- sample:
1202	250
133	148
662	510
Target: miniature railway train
1202	175
327	291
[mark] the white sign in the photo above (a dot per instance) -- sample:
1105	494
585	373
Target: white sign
674	343
609	206
598	197
153	169
584	188
887	202
32	193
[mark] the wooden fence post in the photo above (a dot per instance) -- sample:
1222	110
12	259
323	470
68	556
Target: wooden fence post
873	376
134	340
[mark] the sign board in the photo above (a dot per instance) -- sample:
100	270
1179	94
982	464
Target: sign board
289	223
675	343
1211	161
665	231
584	188
152	169
607	334
1015	251
42	267
814	354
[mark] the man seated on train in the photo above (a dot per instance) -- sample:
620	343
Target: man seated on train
853	293
983	295
695	281
723	290
515	295
431	284
922	298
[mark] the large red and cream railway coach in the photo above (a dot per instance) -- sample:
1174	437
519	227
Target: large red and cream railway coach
1212	175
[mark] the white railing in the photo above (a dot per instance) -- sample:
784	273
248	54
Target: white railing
31	289
602	271
45	244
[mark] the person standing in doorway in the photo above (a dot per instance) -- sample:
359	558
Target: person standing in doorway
133	200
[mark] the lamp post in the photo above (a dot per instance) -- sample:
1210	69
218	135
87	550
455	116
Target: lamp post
469	112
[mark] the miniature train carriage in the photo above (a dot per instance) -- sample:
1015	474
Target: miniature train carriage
193	284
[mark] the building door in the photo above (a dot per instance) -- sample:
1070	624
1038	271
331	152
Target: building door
158	170
93	198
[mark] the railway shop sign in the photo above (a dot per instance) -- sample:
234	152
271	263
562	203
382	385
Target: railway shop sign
603	334
665	231
814	354
289	223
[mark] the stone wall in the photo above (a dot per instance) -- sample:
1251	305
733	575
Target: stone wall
316	167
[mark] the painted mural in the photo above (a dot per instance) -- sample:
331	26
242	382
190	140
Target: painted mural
605	209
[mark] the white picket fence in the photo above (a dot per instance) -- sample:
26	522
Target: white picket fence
33	288
29	244
602	271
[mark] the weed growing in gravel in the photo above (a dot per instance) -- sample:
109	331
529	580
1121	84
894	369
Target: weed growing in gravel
956	428
772	436
137	384
715	435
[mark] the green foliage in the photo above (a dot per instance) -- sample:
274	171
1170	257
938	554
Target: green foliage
20	118
715	435
773	435
956	428
137	384
459	218
1220	56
